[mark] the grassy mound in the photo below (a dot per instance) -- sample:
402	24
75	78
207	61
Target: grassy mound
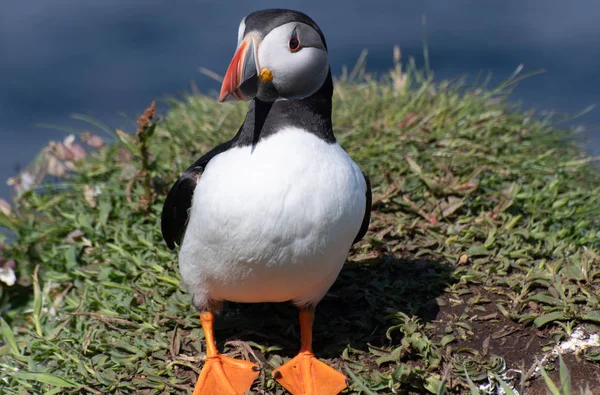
482	254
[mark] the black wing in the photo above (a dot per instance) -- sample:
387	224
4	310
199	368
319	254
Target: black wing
175	213
365	223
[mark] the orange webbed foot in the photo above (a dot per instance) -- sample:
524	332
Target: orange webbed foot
306	375
223	375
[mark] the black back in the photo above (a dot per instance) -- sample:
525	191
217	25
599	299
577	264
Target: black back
364	227
175	212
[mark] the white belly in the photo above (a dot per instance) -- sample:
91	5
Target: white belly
272	223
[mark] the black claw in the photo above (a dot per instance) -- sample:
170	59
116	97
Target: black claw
256	368
277	374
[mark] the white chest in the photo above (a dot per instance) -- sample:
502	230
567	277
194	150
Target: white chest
273	222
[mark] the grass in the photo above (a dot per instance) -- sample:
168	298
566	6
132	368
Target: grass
482	254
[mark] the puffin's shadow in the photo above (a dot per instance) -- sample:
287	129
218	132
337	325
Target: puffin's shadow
355	311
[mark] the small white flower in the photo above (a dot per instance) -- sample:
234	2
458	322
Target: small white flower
7	275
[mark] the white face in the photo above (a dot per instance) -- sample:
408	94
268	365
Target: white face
297	59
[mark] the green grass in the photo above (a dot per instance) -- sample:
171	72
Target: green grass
485	229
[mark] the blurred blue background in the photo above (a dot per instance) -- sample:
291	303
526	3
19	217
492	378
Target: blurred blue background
103	58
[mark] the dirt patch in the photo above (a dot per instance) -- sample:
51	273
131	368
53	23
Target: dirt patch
583	373
486	332
490	332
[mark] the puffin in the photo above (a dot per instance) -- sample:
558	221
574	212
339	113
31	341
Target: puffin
270	215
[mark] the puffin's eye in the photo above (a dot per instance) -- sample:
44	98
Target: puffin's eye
294	43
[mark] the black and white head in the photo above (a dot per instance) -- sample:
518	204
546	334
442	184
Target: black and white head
281	54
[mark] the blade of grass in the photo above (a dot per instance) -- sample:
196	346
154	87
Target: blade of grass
359	383
9	337
549	383
47	378
37	302
565	376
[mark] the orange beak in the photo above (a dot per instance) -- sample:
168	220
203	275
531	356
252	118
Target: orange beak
241	79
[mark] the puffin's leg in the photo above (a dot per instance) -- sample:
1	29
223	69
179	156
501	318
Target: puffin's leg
222	375
305	374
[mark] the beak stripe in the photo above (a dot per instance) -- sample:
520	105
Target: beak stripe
239	72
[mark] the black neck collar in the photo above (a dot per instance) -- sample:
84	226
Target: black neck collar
312	114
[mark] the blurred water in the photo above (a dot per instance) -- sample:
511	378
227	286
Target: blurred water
103	58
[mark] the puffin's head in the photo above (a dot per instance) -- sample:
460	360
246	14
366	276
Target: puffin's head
281	54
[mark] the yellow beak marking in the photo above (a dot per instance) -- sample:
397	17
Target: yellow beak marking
265	75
